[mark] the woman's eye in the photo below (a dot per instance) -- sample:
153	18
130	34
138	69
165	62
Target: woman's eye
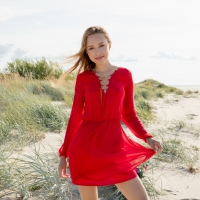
93	48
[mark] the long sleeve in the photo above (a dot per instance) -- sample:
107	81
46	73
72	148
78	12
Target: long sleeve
75	116
129	115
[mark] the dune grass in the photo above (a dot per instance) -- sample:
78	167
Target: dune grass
155	87
33	172
43	88
150	90
175	148
27	110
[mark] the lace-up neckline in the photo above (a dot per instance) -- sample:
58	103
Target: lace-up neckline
104	80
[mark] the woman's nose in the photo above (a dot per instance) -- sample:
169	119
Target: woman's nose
97	52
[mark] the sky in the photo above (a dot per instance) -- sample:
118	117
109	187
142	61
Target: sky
158	39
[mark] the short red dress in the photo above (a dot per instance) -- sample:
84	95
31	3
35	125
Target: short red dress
99	151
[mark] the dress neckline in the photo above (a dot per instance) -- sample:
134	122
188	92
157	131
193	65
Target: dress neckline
104	80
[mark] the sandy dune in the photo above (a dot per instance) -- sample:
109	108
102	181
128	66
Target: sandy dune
179	185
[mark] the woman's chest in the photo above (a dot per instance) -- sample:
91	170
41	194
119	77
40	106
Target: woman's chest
114	88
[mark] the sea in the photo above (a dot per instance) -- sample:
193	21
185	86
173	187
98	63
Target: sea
187	87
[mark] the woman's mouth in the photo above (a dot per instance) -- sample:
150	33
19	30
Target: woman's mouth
99	58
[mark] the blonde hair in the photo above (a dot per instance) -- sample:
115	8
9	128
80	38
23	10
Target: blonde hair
82	60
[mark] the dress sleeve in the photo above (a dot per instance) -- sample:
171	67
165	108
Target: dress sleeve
75	116
129	115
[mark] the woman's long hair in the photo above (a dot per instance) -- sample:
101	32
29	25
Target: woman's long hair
82	60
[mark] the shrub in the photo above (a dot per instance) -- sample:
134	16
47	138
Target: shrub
40	69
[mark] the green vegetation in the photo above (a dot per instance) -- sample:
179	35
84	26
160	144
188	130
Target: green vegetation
44	88
31	173
40	69
27	110
150	90
175	150
155	89
188	92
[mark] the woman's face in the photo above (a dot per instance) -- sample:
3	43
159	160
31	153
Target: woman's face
97	48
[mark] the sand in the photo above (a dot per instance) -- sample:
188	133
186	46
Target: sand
177	184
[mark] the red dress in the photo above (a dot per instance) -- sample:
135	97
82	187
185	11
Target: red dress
99	151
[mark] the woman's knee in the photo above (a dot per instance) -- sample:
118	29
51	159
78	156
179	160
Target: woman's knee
133	189
88	192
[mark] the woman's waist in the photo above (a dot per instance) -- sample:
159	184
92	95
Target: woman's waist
102	119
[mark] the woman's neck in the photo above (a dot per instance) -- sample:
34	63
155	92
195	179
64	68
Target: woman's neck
104	67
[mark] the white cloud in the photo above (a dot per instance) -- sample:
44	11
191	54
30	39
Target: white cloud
123	58
12	50
9	52
173	56
4	49
39	23
18	53
167	56
190	58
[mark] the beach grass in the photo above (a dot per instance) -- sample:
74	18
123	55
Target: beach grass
27	111
33	172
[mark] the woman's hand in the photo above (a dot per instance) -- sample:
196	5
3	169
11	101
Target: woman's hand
62	168
155	145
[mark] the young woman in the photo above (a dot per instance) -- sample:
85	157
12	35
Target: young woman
96	147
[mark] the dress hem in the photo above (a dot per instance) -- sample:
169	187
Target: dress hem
112	183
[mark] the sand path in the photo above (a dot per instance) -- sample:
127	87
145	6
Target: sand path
179	185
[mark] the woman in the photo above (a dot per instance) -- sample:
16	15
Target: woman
97	149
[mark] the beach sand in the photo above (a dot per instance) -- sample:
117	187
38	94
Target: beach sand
179	184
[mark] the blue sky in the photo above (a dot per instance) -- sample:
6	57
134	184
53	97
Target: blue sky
155	39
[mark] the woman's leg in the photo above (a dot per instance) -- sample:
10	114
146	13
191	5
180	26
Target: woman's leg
133	189
88	192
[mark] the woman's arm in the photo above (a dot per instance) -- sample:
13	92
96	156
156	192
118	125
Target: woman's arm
75	116
129	115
